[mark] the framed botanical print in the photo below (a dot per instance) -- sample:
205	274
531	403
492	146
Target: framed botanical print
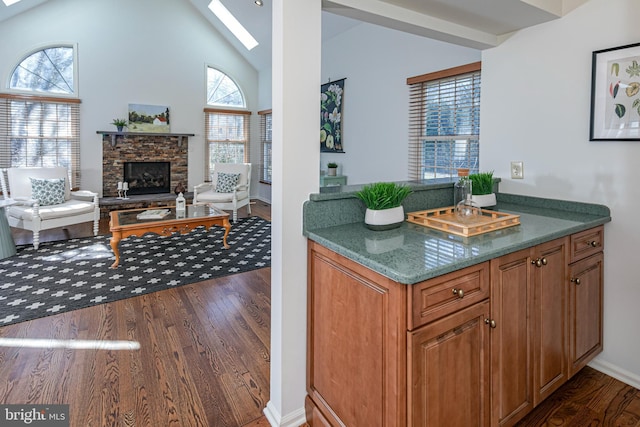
331	118
615	94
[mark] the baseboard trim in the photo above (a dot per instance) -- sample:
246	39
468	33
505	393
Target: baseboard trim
616	372
292	419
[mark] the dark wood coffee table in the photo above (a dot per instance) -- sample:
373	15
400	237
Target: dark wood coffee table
125	223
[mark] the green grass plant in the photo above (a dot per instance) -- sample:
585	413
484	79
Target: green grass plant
481	183
383	195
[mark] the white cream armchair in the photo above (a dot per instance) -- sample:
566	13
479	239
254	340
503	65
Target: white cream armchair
34	213
229	189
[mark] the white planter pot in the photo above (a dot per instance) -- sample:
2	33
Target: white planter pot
485	200
332	171
385	219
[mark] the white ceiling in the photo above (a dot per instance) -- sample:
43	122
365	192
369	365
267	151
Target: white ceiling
478	24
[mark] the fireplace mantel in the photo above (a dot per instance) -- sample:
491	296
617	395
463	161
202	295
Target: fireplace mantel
114	135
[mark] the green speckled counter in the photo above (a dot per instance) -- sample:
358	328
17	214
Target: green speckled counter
413	253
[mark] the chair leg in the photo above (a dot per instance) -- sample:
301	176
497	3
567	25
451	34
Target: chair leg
96	226
36	239
235	215
249	208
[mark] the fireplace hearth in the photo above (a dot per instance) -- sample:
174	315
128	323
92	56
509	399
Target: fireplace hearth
148	177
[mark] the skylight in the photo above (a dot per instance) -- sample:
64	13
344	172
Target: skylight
232	24
10	2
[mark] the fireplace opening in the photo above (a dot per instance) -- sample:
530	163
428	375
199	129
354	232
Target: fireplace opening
148	177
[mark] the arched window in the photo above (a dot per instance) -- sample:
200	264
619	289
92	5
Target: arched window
227	122
48	70
43	127
222	91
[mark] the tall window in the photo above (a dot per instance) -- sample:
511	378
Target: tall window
265	139
227	134
227	130
40	129
444	122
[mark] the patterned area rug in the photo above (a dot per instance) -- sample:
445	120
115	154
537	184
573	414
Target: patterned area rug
73	274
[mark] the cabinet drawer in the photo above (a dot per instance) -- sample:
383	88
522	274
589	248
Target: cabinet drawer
586	243
441	296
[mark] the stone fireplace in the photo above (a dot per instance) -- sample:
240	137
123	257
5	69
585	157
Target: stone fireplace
148	149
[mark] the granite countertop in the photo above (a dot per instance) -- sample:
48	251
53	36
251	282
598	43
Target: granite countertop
413	253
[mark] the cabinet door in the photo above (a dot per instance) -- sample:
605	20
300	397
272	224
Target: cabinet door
448	370
550	332
356	343
511	338
585	311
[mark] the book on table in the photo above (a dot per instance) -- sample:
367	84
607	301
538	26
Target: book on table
153	214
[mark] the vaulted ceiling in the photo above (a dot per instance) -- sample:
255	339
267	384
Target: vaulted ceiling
478	24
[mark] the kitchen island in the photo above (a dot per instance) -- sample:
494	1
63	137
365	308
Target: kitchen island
415	326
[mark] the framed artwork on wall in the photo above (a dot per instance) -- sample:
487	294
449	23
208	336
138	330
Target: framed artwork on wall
149	118
331	119
615	94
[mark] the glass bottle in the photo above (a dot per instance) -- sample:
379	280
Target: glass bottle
461	189
467	209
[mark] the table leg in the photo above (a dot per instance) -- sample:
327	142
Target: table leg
227	228
115	239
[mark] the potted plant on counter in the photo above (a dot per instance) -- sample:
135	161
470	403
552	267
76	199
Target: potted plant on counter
384	204
119	124
482	189
332	168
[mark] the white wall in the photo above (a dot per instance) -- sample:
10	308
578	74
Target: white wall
535	107
143	51
376	62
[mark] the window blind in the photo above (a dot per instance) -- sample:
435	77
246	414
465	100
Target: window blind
266	144
227	137
40	131
444	122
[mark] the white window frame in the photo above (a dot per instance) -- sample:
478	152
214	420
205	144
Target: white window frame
18	61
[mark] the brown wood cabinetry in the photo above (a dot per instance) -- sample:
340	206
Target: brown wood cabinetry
448	370
356	343
529	341
448	350
586	278
511	338
550	321
481	346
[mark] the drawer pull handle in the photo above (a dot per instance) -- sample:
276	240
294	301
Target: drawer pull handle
458	292
593	243
539	262
490	322
575	280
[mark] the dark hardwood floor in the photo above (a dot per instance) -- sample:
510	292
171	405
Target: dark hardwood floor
204	360
591	399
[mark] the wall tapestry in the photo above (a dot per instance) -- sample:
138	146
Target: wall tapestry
615	94
331	103
149	118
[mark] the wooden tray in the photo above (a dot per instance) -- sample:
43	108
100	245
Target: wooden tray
445	219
